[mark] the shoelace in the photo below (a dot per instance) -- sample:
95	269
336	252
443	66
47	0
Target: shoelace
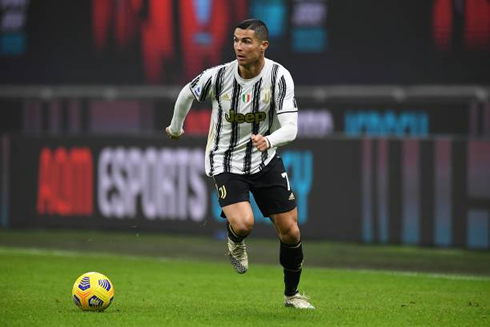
239	248
300	296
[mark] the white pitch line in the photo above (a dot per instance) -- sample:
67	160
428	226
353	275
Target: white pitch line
66	253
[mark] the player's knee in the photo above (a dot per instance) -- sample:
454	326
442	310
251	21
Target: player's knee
243	227
290	235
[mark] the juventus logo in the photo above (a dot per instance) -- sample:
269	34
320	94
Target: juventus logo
222	192
266	95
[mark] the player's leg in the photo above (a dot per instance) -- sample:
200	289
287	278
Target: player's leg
239	223
233	197
290	250
240	220
275	199
291	257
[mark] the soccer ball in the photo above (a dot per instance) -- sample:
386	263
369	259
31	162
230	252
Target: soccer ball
93	291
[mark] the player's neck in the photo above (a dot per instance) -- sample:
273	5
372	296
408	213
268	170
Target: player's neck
252	70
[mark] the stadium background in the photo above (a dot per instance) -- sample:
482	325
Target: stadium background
394	138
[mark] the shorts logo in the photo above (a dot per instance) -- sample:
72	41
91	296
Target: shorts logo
291	197
247	118
198	91
222	192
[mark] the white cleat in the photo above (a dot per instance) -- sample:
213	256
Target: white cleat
298	301
237	253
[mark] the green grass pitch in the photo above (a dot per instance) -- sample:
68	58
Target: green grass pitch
35	290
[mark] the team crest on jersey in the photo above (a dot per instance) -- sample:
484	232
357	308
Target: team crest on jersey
246	98
266	95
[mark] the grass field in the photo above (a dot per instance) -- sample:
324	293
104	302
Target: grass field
180	281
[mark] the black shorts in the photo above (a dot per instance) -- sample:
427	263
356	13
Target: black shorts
270	188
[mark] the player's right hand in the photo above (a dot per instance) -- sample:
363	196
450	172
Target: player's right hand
260	142
173	136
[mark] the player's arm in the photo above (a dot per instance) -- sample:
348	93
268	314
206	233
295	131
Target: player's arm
283	135
287	116
181	109
288	130
200	88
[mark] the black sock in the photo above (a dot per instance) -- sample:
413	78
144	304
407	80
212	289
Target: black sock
232	235
291	258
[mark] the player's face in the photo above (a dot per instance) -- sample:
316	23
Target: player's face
248	47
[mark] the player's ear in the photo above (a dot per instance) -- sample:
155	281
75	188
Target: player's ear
264	45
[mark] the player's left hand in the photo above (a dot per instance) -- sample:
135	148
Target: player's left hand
173	136
260	142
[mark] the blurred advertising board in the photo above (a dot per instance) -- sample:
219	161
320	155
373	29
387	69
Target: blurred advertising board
348	42
375	190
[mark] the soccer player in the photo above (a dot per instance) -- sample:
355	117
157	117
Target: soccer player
254	113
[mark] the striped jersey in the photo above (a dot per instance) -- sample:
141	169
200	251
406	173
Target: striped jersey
242	107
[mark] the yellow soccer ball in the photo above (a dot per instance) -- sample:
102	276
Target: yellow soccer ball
93	291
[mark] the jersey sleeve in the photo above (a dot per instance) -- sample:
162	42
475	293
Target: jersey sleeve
285	93
202	86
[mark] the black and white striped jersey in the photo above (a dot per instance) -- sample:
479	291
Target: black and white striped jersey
242	107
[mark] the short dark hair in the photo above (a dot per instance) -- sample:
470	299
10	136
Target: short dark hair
257	26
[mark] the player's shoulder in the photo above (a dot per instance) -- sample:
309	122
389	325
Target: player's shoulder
222	67
280	69
209	75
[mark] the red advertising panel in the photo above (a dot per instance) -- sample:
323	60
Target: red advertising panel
170	41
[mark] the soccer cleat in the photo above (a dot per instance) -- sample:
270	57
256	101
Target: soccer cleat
237	253
298	301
